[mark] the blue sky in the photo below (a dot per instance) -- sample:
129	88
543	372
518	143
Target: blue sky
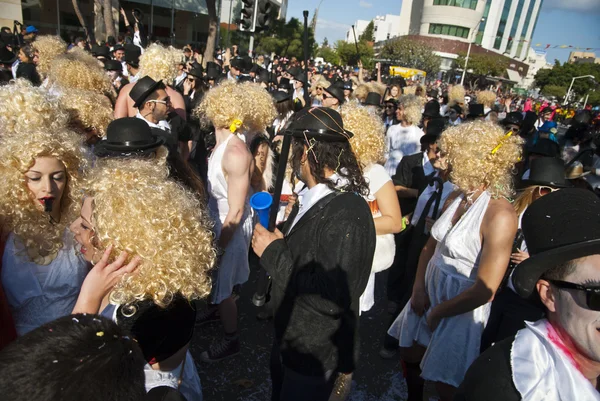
562	22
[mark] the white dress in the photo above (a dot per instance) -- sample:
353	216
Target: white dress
38	294
377	177
455	343
234	268
401	141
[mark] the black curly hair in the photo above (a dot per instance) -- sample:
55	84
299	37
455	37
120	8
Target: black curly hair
336	156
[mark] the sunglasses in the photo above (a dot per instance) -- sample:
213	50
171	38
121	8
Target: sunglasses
544	190
325	96
166	100
191	79
389	106
592	294
319	88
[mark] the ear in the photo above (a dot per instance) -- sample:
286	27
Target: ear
547	294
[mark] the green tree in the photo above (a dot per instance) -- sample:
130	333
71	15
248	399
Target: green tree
348	55
329	55
409	53
325	42
561	75
368	34
558	92
487	65
285	39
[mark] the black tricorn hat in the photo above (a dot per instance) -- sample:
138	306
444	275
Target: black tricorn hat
281	96
514	117
337	91
128	136
561	226
142	89
373	99
113	65
432	109
476	110
321	123
548	171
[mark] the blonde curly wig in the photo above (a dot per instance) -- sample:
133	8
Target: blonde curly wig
24	107
368	142
79	70
361	92
376	87
412	106
230	101
48	47
90	110
487	98
139	210
456	96
18	208
469	147
321	82
160	63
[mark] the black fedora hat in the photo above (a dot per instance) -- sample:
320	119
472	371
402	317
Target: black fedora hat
300	77
281	96
434	129
476	110
128	136
373	99
432	109
348	86
548	171
113	65
196	71
561	226
142	89
100	51
321	123
514	118
212	70
337	91
544	147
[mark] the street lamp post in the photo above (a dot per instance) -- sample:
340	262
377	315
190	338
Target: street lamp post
571	86
462	79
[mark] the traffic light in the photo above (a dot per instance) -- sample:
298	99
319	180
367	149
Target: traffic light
263	17
247	19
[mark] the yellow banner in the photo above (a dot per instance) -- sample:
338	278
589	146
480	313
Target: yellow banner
406	72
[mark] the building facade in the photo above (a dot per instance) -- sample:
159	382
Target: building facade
583	57
384	28
537	61
502	26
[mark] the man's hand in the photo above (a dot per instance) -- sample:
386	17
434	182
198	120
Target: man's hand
262	238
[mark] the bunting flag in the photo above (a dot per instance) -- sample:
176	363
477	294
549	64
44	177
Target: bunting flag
571	47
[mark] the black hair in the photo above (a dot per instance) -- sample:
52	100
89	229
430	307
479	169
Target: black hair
560	271
76	357
283	108
336	156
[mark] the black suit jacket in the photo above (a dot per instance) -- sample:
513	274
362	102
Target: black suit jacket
319	270
410	174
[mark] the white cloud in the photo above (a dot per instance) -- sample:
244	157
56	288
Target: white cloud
365	4
588	6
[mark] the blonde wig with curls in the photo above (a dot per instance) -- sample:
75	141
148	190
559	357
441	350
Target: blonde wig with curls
48	47
160	63
18	208
246	102
412	106
361	92
487	98
138	209
456	95
368	142
89	110
79	70
469	147
24	107
321	82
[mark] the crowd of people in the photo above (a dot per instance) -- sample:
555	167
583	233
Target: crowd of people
129	170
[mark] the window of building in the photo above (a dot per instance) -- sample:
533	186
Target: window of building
515	25
486	12
450	30
526	28
502	24
472	4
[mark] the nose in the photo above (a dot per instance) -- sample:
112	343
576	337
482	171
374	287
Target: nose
73	226
47	185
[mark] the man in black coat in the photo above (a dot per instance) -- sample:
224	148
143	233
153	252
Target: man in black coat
319	263
557	358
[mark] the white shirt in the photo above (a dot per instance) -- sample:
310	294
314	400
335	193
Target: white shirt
14	68
427	167
401	141
162	124
180	78
447	189
310	198
594	178
376	176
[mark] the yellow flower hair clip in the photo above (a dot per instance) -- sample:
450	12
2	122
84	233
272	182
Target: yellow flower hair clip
235	125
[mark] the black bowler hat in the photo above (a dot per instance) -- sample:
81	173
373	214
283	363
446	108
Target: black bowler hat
476	110
196	71
100	51
337	91
348	86
212	70
558	227
373	99
321	123
432	93
142	89
113	65
548	171
281	96
128	136
544	147
513	118
300	77
432	109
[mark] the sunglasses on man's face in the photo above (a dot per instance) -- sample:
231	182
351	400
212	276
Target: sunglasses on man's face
326	96
544	190
592	294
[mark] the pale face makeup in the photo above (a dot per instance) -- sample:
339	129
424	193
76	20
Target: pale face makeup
46	181
83	231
